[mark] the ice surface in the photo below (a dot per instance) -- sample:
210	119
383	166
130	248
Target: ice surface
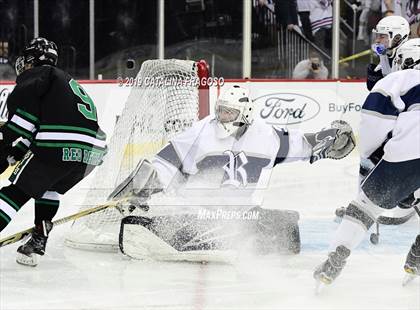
67	278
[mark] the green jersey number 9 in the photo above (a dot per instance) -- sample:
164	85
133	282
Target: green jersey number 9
86	107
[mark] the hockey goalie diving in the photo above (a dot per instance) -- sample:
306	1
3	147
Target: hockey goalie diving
230	155
194	212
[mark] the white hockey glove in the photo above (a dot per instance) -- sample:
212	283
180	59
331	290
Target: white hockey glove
335	143
136	189
413	200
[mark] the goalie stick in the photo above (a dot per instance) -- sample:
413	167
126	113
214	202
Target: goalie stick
22	234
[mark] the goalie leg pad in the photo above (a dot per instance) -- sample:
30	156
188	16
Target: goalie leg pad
137	241
190	238
278	231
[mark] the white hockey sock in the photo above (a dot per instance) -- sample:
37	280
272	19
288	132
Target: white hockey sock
353	228
349	233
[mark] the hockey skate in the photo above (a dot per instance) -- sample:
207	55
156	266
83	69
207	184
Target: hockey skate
28	253
328	271
412	263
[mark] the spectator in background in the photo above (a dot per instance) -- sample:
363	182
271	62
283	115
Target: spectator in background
304	11
409	9
311	68
321	22
7	72
371	11
392	7
412	14
263	16
286	13
269	4
258	16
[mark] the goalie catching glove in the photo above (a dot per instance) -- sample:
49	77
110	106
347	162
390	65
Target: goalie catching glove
335	142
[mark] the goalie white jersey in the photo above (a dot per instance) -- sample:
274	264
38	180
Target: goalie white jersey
393	106
242	162
218	205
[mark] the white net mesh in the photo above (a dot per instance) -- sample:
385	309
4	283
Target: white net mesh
152	115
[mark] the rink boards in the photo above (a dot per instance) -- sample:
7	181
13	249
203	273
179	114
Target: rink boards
77	279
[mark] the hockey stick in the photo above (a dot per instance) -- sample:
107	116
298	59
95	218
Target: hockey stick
22	234
144	171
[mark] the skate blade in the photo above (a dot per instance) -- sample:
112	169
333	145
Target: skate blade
319	287
25	260
408	278
321	282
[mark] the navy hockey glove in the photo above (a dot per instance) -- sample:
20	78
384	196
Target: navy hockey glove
10	156
17	154
409	202
367	164
373	76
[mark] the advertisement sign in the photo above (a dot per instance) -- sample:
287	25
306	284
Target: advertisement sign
308	106
286	108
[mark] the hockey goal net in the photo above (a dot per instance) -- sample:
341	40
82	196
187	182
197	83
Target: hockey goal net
167	98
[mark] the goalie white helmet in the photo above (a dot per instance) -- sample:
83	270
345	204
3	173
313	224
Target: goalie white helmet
408	55
233	111
389	34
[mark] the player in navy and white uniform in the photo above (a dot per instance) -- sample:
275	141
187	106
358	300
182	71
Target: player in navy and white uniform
390	117
388	35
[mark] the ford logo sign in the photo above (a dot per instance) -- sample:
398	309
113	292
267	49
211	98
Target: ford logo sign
287	108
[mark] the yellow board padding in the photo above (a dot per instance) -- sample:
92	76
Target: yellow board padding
141	150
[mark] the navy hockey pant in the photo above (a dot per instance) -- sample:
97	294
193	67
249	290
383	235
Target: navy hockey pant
390	182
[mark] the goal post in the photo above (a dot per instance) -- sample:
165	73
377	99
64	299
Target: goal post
169	96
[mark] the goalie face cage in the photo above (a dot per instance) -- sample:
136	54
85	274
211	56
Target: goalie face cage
169	100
